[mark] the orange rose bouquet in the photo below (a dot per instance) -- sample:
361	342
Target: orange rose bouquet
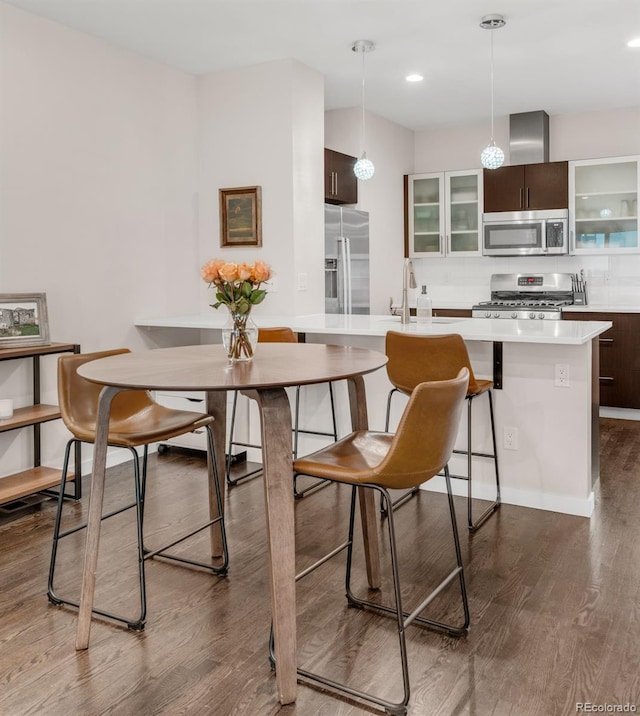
238	287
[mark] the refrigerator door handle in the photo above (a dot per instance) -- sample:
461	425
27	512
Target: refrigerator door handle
342	276
348	292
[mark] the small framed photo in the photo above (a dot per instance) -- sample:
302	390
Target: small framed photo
241	216
23	320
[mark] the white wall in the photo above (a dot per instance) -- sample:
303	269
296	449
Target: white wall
390	147
97	149
263	125
457	147
579	135
589	135
97	187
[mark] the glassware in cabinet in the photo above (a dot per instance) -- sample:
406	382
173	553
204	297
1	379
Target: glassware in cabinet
604	205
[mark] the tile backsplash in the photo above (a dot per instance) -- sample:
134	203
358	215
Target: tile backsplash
611	280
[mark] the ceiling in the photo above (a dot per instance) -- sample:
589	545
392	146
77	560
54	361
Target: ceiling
557	55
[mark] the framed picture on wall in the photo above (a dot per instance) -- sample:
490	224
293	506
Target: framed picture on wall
241	216
23	320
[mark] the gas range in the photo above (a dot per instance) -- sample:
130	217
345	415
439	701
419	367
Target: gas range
527	296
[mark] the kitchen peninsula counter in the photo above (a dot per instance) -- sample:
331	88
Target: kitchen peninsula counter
471	329
555	463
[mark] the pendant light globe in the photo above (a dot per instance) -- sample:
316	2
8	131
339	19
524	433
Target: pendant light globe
363	168
492	156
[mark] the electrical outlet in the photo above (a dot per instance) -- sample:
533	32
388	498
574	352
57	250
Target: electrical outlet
302	282
562	375
510	437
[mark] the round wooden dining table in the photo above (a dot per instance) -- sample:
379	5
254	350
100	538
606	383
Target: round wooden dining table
275	367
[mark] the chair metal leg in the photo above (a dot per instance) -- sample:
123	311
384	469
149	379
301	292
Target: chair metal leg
386	422
56	525
473	526
403	619
451	629
296	423
348	545
232	442
231	433
143	481
139	513
298	494
135	623
296	429
220	570
140	478
410	493
334	420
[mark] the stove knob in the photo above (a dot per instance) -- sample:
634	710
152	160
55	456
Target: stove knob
541	315
487	314
514	315
496	314
532	315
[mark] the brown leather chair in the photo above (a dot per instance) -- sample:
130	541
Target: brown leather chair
414	359
382	461
136	420
279	334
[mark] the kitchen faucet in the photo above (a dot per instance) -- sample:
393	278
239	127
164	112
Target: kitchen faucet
408	281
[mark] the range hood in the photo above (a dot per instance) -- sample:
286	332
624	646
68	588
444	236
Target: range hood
529	137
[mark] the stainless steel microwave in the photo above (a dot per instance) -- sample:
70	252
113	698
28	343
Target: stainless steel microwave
526	233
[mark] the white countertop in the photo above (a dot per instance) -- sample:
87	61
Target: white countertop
472	329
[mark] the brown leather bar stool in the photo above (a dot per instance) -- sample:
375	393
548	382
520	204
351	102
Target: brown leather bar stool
278	335
136	420
382	461
415	359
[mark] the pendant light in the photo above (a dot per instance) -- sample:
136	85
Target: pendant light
363	168
492	156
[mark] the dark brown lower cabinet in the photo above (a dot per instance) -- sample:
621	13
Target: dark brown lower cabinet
447	312
619	357
452	312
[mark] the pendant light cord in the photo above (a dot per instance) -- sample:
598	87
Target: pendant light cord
363	119
492	86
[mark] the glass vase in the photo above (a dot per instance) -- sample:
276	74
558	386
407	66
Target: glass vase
240	337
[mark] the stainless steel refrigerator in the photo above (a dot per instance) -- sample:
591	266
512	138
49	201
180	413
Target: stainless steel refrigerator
346	263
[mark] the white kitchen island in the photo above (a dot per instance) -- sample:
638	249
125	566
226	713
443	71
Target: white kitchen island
554	465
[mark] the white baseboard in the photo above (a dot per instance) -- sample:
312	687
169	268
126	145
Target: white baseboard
521	498
620	413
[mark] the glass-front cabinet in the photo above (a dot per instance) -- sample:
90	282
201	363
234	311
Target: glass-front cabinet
464	204
426	214
604	205
444	214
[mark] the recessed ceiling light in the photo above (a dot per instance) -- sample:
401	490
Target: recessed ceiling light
634	43
414	78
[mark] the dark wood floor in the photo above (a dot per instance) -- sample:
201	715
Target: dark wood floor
555	607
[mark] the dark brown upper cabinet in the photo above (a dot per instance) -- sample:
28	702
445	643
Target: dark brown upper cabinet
526	187
340	183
